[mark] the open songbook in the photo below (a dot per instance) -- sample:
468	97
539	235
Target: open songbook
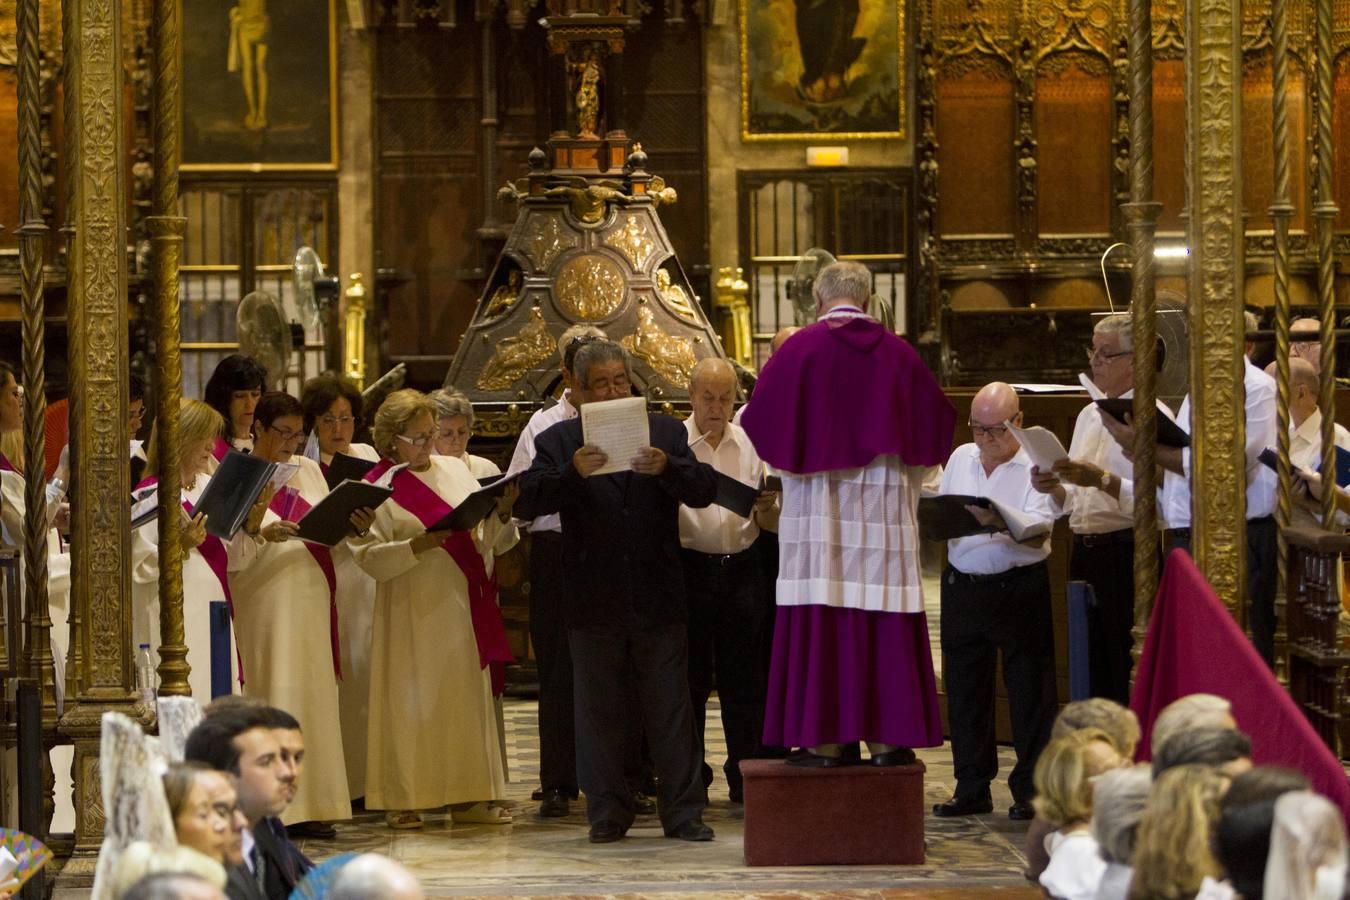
346	468
1170	433
1271	459
1040	444
233	489
475	507
944	517
329	521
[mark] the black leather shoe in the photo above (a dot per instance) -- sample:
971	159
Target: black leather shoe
693	830
964	806
644	805
554	804
900	756
318	830
537	795
1021	811
606	832
812	761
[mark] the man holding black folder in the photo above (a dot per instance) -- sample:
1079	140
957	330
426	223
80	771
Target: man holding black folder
726	611
996	600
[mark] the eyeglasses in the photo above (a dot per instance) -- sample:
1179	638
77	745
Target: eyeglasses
1093	354
334	421
286	434
987	430
420	440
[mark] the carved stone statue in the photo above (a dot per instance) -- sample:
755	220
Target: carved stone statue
588	95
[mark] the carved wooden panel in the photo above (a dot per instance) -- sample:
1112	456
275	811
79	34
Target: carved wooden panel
975	133
1169	141
1074	120
1340	130
1258	161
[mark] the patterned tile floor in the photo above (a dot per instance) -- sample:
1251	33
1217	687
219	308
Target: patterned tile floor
977	856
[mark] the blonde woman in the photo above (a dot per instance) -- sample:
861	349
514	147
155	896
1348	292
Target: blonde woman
1172	854
433	734
1063	779
208	620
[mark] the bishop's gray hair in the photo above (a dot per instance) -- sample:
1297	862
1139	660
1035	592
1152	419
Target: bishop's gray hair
1118	324
845	280
595	352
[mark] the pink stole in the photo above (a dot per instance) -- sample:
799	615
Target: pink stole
5	465
213	551
290	506
414	495
220	448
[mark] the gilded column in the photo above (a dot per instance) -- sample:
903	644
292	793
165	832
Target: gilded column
98	371
1324	213
70	55
166	229
1281	211
1218	427
1141	215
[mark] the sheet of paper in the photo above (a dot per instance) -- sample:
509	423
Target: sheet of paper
619	428
1028	388
1041	445
282	476
1090	386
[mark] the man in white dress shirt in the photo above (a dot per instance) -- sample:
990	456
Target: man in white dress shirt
722	578
1305	432
548	632
996	600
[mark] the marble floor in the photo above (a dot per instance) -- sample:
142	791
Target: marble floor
979	856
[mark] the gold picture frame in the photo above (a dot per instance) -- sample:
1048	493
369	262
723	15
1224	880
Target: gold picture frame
860	91
260	91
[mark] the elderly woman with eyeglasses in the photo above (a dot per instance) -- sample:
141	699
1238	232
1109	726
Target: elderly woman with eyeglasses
285	615
332	414
433	733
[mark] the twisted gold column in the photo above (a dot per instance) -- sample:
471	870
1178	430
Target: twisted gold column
1218	426
1281	211
166	229
1141	214
1324	213
97	301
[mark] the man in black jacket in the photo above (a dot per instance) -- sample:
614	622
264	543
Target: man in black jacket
624	601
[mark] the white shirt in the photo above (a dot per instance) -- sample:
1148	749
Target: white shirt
246	845
1259	412
1305	450
716	529
1010	485
1075	869
1094	511
540	422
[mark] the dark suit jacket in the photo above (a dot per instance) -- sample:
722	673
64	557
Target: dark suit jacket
285	864
239	884
620	532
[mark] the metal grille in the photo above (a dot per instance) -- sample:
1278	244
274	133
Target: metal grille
855	215
242	239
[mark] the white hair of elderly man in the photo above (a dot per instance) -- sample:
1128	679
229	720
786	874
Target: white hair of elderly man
374	877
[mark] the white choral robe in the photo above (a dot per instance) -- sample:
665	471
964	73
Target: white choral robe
356	617
433	729
201	588
281	616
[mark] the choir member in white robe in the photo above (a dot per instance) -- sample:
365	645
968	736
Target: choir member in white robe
433	730
233	390
332	413
207	559
286	617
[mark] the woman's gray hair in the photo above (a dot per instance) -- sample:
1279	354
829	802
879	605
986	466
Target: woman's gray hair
845	280
451	403
1190	711
1118	324
1210	746
1118	800
595	352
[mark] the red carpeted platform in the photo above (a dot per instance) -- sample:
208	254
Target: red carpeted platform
854	815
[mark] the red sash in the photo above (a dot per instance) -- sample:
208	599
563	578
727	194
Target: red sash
220	448
5	465
290	506
411	493
213	551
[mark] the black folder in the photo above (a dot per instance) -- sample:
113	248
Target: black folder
772	483
329	521
232	491
475	507
1169	432
945	517
735	495
346	468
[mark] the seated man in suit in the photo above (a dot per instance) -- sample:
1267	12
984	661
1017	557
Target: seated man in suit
624	600
242	741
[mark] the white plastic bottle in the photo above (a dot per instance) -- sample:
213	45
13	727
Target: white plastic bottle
145	674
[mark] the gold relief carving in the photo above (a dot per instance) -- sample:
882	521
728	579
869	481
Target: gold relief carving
671	357
545	238
633	241
1218	476
963	22
504	297
516	355
674	295
1074	24
589	287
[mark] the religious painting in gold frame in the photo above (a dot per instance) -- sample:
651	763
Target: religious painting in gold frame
259	85
812	69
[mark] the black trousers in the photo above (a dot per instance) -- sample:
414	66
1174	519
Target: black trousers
1262	578
548	634
1106	561
726	638
656	661
984	617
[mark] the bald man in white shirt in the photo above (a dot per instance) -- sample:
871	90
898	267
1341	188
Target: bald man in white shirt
996	601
